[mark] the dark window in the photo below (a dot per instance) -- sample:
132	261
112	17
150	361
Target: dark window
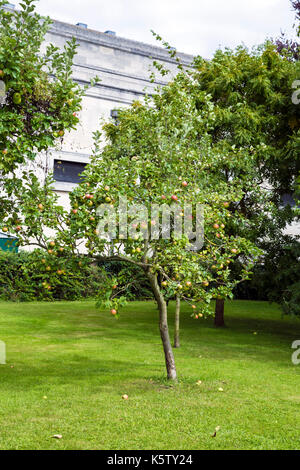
288	200
114	114
69	172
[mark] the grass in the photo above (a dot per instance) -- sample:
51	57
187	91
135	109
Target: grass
83	361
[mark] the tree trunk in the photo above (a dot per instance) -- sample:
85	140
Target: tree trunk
163	327
177	320
219	313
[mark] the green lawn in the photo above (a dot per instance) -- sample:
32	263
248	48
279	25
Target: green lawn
83	361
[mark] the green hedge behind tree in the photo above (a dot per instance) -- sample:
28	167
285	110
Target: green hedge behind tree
277	278
23	279
27	276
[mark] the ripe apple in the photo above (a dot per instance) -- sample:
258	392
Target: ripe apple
179	286
5	229
59	271
52	243
216	226
174	197
226	204
1	73
164	283
234	250
61	133
184	184
41	207
194	307
222	226
188	283
74	211
115	286
18	228
113	311
218	235
5	151
106	188
107	199
197	316
163	197
205	283
50	252
92	218
125	397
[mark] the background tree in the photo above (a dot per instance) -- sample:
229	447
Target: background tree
252	96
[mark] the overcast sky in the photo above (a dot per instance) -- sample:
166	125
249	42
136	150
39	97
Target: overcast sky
192	26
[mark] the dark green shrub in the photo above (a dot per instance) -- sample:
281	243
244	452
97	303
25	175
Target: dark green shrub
28	276
277	279
37	275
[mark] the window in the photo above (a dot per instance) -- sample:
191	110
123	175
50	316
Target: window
288	200
114	115
68	172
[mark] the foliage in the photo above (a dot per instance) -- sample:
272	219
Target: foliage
277	277
288	47
253	107
35	275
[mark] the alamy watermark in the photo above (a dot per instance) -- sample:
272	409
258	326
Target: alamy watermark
154	222
2	352
296	354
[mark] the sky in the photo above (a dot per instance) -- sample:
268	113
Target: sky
192	26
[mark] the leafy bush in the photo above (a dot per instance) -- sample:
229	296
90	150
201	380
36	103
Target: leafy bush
23	279
37	275
277	279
